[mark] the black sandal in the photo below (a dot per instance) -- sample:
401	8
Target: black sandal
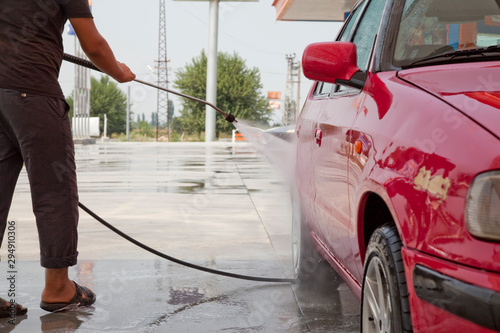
6	309
76	302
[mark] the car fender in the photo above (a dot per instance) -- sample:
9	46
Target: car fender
368	188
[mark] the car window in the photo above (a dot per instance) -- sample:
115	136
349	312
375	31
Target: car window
324	89
346	34
430	27
364	37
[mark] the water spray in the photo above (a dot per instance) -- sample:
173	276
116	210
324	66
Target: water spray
85	63
229	117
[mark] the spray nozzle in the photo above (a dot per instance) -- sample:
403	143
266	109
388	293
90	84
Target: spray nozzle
231	118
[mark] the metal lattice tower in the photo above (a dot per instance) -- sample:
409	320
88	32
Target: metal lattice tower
162	110
293	76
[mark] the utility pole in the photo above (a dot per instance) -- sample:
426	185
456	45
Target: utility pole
293	76
162	107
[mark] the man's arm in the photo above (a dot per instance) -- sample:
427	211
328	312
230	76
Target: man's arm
98	50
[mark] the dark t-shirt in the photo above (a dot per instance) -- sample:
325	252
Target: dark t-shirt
31	46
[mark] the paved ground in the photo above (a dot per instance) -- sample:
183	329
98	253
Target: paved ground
219	205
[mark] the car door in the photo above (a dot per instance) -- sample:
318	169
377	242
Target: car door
337	114
308	138
306	125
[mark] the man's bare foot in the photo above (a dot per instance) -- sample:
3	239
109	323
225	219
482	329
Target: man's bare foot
83	297
59	293
7	310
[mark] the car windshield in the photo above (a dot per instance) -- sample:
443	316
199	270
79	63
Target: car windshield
430	28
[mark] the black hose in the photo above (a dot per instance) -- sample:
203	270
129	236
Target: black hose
229	117
85	63
178	261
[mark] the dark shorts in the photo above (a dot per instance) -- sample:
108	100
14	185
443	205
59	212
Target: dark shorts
36	130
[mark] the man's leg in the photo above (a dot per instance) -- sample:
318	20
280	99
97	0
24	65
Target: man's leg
11	163
52	171
43	131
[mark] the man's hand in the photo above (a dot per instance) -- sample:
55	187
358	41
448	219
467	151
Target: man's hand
127	73
98	50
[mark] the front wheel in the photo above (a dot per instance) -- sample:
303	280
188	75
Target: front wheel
384	304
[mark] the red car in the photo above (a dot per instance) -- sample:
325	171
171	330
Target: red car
398	164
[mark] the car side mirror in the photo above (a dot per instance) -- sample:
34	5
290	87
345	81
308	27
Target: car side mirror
332	62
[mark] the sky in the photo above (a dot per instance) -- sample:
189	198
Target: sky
248	28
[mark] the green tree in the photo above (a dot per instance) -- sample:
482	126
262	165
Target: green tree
153	120
238	92
144	128
171	110
163	121
107	98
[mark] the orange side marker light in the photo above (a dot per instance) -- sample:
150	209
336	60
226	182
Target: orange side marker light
358	147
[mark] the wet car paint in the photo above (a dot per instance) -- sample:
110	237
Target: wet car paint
474	89
421	147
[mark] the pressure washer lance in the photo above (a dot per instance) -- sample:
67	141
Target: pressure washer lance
229	117
85	63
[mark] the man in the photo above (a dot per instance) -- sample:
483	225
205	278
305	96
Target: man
35	130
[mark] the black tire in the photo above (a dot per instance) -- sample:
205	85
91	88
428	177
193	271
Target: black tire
386	307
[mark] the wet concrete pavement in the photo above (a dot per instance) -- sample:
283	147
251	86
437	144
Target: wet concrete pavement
219	205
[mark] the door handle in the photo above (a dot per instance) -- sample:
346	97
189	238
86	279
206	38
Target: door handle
318	135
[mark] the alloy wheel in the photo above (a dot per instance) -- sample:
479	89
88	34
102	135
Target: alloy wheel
377	310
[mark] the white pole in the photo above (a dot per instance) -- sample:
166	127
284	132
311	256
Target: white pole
128	114
105	125
212	71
